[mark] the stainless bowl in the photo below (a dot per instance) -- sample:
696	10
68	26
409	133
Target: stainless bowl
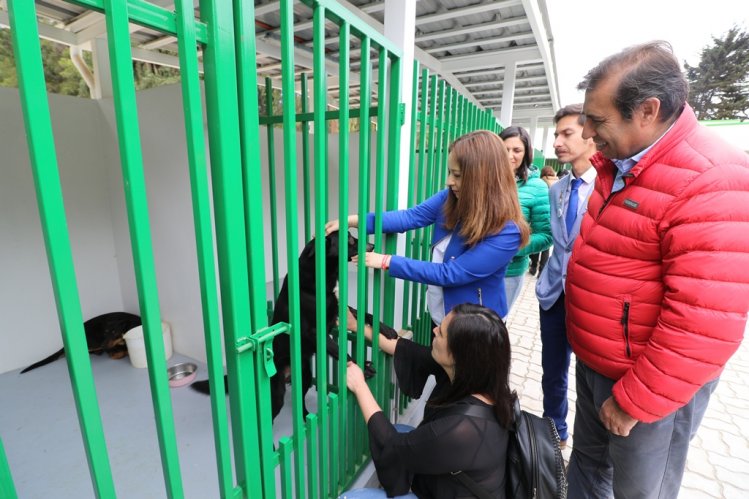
181	374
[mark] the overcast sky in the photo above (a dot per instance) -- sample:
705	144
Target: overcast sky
586	31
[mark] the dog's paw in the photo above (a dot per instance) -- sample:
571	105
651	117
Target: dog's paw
369	370
388	332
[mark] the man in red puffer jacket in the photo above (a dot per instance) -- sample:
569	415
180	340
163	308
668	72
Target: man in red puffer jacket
657	291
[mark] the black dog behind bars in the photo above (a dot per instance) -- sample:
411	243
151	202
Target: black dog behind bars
104	333
308	319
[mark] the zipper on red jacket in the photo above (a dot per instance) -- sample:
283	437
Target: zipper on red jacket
625	323
611	195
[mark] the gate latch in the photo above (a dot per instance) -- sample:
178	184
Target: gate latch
263	339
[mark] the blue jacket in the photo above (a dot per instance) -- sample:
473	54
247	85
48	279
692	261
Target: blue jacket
468	274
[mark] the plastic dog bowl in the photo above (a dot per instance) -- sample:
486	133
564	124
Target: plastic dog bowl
181	374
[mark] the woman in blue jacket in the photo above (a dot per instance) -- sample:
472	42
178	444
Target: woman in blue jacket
478	228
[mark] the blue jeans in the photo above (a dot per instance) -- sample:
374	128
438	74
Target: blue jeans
513	286
649	463
555	362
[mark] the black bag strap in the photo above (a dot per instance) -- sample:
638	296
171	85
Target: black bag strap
471	485
477	411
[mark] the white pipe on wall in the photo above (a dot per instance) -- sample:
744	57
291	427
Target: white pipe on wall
76	55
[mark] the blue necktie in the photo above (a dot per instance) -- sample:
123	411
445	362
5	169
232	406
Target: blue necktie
572	207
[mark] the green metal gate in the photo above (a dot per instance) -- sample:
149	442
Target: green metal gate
327	449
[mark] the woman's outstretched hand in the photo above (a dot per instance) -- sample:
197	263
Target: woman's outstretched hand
374	260
334	225
354	377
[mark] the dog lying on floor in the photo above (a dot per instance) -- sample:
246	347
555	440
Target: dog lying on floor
104	333
308	319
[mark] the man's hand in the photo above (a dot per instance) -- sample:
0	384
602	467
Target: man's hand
615	419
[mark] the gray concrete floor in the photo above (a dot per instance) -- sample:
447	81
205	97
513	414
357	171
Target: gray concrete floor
42	439
39	427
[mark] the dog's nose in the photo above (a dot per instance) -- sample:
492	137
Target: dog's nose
370	247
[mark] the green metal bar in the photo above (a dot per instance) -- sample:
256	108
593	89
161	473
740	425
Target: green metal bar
421	242
339	455
284	448
292	243
313	471
393	175
379	206
222	104
321	359
335	440
341	14
272	186
34	103
255	405
7	489
203	235
410	305
462	101
305	161
455	115
149	15
307	117
446	134
439	152
365	97
365	67
126	115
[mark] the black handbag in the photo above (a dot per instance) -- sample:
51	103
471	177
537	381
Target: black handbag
535	466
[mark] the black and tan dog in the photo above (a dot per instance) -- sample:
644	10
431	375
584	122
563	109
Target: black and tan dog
308	319
104	333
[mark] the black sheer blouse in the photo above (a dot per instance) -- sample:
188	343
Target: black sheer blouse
444	442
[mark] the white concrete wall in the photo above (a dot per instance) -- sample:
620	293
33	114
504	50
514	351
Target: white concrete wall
30	329
92	183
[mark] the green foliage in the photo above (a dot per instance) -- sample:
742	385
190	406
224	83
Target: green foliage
719	84
61	75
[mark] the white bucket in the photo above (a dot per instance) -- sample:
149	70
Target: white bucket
136	345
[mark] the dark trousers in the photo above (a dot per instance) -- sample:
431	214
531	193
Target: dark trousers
647	464
538	260
555	362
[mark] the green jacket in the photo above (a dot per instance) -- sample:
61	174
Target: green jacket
534	201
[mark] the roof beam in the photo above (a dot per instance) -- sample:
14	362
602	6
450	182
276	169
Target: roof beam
490	59
543	38
46	31
466	11
482	41
475	28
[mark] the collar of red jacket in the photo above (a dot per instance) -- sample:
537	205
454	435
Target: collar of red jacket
684	125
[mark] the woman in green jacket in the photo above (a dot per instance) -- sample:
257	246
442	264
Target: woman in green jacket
533	194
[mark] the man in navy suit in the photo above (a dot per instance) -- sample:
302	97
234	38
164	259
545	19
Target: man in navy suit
569	200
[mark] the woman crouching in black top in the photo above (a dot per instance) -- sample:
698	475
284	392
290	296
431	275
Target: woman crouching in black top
470	359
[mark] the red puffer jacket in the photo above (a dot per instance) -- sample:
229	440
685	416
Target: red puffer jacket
657	286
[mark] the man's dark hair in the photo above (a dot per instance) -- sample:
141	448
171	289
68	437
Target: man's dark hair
647	70
571	110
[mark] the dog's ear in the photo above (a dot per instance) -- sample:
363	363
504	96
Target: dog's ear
353	246
331	245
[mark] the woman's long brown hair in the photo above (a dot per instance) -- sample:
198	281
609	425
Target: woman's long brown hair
489	197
